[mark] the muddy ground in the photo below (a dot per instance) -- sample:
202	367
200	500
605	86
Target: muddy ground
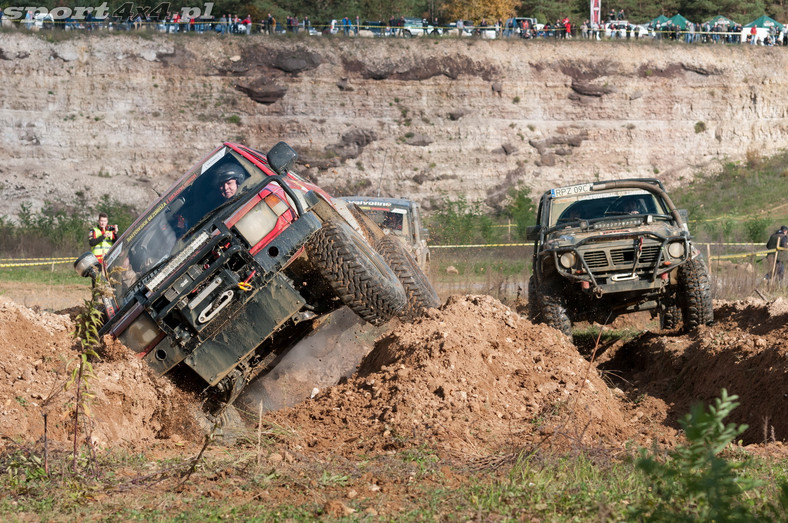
473	381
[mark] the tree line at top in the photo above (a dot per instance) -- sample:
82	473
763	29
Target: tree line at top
322	11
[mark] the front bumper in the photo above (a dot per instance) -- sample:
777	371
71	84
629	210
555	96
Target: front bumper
630	262
219	306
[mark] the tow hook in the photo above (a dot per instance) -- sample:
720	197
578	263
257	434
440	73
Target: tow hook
585	285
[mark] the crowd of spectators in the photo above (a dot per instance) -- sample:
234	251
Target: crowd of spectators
615	26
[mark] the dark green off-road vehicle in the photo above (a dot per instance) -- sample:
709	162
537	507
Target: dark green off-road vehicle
604	249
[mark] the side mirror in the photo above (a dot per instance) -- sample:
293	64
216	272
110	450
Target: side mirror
532	232
425	234
684	215
281	158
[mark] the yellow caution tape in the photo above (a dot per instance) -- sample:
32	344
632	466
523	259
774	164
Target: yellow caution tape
481	245
745	255
742	244
32	264
72	258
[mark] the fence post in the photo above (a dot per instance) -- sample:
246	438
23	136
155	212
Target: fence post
774	262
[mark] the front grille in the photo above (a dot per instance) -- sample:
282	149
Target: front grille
621	258
595	259
626	256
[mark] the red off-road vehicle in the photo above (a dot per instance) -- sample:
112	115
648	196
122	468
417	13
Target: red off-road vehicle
226	271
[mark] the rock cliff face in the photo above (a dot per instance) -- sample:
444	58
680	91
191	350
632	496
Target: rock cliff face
125	115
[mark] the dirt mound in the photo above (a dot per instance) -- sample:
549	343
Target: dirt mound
131	406
471	378
745	352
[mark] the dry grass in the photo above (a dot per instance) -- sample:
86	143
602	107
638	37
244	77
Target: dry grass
501	272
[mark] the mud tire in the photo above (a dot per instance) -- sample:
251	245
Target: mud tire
669	314
357	274
695	294
552	310
421	295
533	300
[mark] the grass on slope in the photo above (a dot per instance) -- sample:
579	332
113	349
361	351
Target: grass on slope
744	202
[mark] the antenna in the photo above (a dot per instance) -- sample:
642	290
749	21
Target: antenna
383	167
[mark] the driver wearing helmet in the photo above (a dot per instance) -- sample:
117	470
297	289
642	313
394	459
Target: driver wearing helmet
228	178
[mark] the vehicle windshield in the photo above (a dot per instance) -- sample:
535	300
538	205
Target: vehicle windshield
393	218
590	206
166	227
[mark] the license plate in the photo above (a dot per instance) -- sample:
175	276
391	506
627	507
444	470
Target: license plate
571	190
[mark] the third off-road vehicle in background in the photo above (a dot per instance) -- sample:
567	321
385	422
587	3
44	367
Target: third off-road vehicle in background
402	218
604	249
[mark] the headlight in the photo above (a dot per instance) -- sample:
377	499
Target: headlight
676	250
567	260
261	220
141	333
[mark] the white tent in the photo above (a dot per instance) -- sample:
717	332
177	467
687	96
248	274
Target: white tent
764	26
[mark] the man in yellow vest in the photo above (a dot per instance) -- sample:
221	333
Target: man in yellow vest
102	237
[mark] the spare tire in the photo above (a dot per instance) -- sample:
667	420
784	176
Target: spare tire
418	289
356	273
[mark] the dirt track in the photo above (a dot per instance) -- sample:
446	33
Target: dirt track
472	379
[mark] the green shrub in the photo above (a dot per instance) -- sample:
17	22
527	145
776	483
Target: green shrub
460	222
700	127
521	210
756	228
693	483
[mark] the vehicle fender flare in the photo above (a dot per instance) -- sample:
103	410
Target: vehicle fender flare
349	213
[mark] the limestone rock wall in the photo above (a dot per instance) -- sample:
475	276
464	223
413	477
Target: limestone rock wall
125	115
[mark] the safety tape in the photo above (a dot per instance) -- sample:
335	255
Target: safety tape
72	258
739	244
481	245
743	255
34	264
